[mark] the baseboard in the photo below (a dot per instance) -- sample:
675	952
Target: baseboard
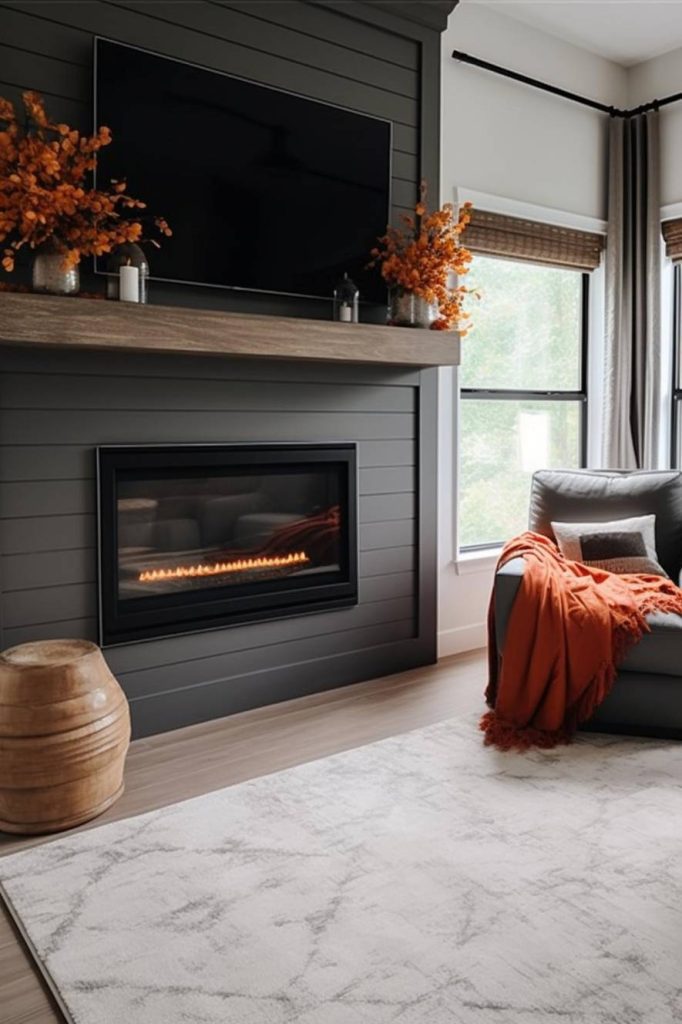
461	638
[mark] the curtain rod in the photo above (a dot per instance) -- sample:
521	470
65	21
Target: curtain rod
466	58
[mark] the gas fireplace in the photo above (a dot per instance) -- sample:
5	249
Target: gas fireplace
195	537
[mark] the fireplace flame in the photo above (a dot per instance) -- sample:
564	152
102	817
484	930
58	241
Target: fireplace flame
182	572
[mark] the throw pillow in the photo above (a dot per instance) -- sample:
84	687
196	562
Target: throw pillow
622	545
619	553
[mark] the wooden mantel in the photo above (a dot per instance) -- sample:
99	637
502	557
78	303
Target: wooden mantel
48	322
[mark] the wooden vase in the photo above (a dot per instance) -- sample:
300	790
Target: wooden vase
64	735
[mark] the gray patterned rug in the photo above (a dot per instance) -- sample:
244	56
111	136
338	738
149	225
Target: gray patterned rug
420	880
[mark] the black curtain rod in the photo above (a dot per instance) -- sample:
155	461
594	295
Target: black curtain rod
466	58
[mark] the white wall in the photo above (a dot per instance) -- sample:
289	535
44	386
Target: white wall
507	139
654	79
514	142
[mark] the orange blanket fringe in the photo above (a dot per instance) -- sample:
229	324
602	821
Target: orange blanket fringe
569	628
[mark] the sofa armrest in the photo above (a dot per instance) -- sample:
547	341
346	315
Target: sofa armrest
507	582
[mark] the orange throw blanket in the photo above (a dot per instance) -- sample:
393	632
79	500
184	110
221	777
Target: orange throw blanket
568	629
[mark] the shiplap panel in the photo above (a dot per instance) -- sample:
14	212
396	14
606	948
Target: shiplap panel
119	393
284	41
165	365
215	698
387	588
147	27
39	426
84	629
403	194
314	23
38	569
75	532
43	502
77	601
47	498
393	534
57	406
35	71
387	560
377	508
47	604
75	113
299	47
147	682
47	524
381	491
21	29
60	533
73	462
170	650
405	166
387	480
33	570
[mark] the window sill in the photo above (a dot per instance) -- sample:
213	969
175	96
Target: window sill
469	562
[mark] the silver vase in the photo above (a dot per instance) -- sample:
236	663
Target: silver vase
405	309
51	276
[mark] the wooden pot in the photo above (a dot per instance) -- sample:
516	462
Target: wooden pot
64	735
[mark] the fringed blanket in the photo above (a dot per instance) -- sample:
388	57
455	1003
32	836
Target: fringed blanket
569	628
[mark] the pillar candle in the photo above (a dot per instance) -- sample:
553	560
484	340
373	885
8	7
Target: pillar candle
129	284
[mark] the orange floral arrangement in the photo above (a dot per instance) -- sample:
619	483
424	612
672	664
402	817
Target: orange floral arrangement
421	256
43	191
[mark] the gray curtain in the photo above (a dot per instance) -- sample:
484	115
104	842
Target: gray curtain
632	394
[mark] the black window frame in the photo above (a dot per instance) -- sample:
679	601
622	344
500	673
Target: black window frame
676	390
508	394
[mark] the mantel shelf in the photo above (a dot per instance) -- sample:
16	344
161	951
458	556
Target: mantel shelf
48	322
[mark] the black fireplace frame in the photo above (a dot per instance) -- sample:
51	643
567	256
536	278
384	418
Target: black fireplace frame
180	613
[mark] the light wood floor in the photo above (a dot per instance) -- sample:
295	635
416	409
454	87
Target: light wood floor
164	769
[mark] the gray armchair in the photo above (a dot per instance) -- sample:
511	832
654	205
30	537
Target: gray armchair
646	698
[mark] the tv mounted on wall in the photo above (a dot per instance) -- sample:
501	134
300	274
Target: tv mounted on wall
264	190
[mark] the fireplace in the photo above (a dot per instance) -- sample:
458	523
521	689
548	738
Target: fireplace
196	537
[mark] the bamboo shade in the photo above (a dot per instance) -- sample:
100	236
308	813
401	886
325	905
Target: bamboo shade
672	236
495	234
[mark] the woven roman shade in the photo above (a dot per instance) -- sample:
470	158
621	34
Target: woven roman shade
672	236
495	234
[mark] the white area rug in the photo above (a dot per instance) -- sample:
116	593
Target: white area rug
420	880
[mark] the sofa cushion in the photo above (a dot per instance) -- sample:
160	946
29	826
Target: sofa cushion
593	496
659	651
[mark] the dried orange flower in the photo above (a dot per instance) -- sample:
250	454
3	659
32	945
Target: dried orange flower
421	256
44	194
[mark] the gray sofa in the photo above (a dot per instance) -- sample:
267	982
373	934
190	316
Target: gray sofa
646	698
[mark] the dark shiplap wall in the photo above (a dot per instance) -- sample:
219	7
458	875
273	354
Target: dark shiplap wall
317	50
55	407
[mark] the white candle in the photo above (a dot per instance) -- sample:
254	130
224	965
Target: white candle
129	284
345	312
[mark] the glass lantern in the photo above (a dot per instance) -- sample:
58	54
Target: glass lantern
346	301
127	255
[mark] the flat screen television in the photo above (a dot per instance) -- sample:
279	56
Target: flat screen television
264	190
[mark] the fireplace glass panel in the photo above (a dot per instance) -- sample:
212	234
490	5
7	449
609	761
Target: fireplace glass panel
195	537
192	533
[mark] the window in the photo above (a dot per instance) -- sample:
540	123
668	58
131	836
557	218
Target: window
524	402
676	447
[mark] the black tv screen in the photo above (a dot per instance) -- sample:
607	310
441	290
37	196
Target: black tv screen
263	189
